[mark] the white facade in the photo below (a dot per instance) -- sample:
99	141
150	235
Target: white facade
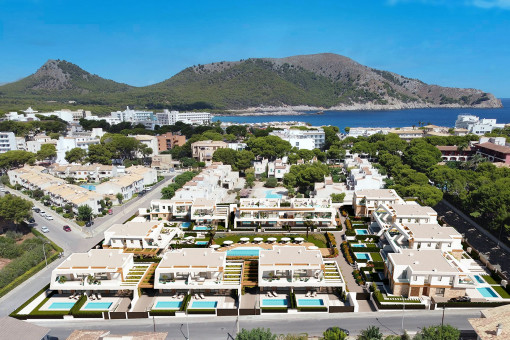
313	138
17	117
147	118
366	132
65	144
476	125
7	142
144	235
149	141
128	185
194	118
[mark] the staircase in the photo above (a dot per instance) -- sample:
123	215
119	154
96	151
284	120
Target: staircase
222	210
135	275
332	273
250	273
232	274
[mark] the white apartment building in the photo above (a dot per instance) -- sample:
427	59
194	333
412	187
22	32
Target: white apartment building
147	118
128	185
363	176
474	124
297	268
364	202
149	175
312	138
276	213
17	117
149	141
65	144
96	270
140	235
7	142
92	172
21	143
203	151
194	118
208	212
367	132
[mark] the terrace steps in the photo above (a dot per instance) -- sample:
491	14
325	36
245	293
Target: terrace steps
135	274
233	273
331	273
250	273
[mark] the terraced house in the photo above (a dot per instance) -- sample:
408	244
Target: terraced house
140	235
364	202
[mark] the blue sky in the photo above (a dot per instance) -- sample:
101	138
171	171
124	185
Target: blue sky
460	43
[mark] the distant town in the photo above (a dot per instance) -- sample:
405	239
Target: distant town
155	217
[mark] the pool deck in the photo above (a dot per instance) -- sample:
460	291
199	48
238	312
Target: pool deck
269	246
57	298
329	299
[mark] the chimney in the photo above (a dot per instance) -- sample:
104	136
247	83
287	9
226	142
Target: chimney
499	329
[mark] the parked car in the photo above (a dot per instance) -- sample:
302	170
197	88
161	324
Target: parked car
31	220
66	228
37	210
42	213
49	217
45	229
110	212
460	299
2	189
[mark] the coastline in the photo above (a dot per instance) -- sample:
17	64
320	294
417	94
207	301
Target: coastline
305	110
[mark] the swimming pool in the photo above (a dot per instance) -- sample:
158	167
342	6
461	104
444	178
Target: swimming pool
310	302
204	304
361	231
201	243
274	302
62	305
185	224
271	194
487	292
363	256
358	245
479	279
202	228
98	305
88	187
168	304
244	251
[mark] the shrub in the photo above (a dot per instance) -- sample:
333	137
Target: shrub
348	224
271	182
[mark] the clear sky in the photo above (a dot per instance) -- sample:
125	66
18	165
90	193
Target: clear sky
460	43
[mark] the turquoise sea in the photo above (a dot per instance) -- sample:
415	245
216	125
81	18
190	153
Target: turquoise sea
384	118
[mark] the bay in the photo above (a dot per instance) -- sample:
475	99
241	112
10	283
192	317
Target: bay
380	118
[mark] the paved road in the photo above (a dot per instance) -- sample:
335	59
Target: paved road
74	241
203	327
481	239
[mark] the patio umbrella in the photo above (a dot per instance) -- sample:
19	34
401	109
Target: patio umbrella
258	239
214	246
313	247
244	239
299	239
228	242
285	239
271	239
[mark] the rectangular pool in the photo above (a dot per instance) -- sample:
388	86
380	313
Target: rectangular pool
310	302
168	304
185	224
479	279
244	251
88	187
361	231
363	256
61	305
204	304
358	245
202	228
98	305
274	302
201	243
271	194
487	292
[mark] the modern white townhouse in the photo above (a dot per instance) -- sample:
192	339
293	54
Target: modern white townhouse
364	177
17	117
207	212
406	212
417	273
103	270
198	270
276	213
128	185
203	151
474	124
297	267
278	168
140	235
7	142
364	202
308	138
168	209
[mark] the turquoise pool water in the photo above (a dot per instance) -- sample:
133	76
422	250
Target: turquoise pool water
487	292
98	305
88	187
201	243
271	194
186	224
61	305
168	304
274	302
361	231
358	245
479	279
310	302
244	252
363	256
202	228
204	304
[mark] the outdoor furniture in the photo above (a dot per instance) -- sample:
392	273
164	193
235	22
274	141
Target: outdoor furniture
202	296
174	296
244	239
285	239
299	239
258	239
197	297
228	242
313	247
275	294
214	246
271	239
314	294
269	294
308	293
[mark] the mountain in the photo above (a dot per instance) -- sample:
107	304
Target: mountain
325	80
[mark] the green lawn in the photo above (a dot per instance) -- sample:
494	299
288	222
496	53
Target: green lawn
376	257
318	239
502	292
490	280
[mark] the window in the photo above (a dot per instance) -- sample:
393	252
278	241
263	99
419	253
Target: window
440	291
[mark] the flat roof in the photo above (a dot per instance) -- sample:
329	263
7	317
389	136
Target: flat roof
486	327
423	260
102	258
193	258
290	256
134	229
377	193
412	210
432	231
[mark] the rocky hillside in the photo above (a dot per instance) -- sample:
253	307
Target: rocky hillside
327	81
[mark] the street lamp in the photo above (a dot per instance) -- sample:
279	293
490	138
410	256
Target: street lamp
44	252
403	312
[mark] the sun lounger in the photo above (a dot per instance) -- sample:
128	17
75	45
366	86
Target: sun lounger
202	296
197	297
99	297
275	294
314	294
174	296
308	293
269	294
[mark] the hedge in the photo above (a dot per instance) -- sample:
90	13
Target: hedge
472	304
20	308
185	303
147	259
365	249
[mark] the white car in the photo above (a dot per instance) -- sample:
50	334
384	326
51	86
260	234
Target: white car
42	213
2	189
48	217
45	229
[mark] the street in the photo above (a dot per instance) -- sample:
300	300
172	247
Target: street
205	327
